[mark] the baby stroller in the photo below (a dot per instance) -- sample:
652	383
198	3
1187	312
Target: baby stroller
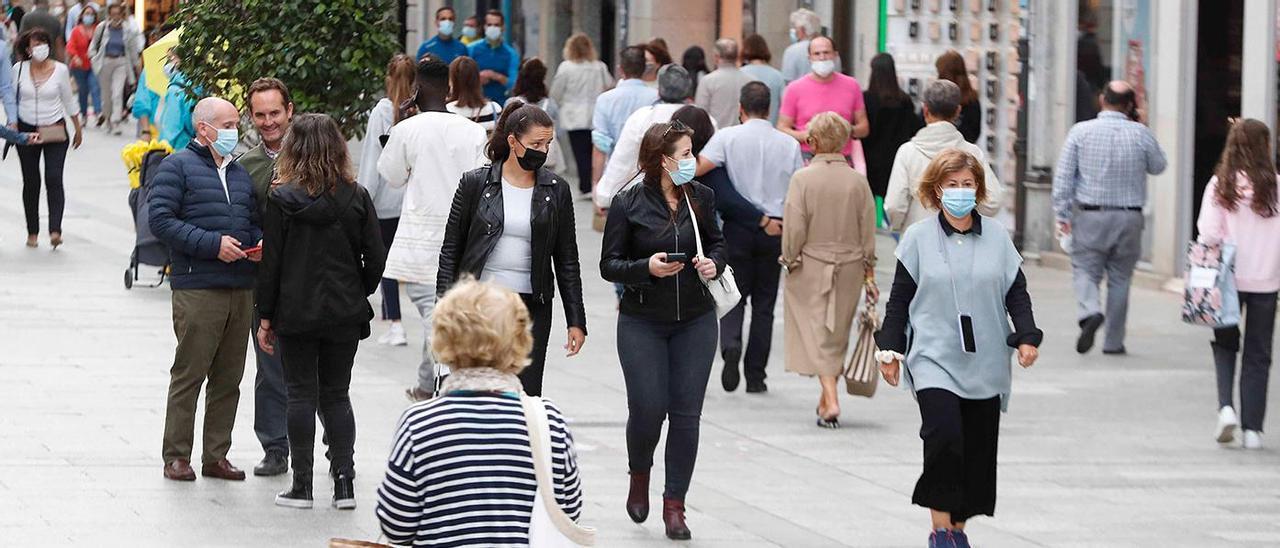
147	249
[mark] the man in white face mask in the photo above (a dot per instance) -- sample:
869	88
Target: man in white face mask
822	90
498	60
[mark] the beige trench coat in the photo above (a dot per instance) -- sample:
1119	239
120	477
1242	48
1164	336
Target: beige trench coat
828	240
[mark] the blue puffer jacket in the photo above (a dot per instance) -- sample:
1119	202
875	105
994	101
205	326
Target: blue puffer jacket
191	212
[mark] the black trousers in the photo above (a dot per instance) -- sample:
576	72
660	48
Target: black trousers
754	258
540	315
1259	310
960	438
390	287
55	157
317	370
580	142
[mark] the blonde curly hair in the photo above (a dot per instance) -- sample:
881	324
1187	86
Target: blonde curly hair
479	324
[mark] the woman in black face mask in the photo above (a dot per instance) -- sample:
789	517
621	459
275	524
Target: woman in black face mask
511	223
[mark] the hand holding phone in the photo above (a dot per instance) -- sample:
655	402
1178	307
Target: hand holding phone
677	257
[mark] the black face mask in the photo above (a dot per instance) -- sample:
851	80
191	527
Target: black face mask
532	159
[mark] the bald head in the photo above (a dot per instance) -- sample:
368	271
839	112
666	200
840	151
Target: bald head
1118	95
212	114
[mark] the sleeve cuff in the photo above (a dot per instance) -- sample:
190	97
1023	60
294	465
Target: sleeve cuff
1033	338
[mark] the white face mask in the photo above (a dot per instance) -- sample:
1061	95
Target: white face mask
823	68
40	52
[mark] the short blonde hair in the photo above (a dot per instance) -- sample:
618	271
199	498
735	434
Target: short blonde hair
828	132
945	163
579	48
479	324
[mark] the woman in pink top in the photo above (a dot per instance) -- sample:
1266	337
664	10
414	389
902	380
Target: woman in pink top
825	90
1240	207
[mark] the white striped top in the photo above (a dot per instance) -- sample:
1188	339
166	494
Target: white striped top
461	473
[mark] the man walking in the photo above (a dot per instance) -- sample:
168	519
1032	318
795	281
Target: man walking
613	107
40	17
443	44
499	62
718	92
429	153
1099	189
822	90
674	84
271	109
203	208
760	161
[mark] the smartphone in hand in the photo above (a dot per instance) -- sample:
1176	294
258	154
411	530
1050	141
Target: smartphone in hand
677	258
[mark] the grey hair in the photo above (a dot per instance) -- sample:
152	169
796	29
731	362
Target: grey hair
727	50
674	83
207	109
942	98
806	19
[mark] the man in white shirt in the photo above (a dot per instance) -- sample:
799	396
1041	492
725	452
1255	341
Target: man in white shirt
674	84
759	160
429	153
718	91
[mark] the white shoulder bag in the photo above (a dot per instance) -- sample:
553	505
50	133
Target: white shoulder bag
549	527
724	289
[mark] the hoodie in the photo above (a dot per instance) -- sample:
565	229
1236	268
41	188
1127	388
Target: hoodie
322	257
901	205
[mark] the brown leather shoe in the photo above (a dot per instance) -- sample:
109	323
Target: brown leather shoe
638	497
222	470
179	470
673	517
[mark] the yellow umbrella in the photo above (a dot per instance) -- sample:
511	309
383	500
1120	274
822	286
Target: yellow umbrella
154	58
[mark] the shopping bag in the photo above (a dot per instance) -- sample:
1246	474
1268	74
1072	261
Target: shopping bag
1210	297
862	372
549	526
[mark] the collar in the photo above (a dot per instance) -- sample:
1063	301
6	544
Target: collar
481	379
630	82
271	154
542	177
730	66
492	45
828	157
947	229
1112	115
764	121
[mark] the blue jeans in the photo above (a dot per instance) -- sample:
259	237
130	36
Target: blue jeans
87	85
666	366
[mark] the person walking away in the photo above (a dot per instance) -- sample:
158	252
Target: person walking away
730	204
903	208
41	18
511	222
483	330
466	96
203	208
755	58
531	89
387	200
805	26
176	126
613	107
667	321
673	92
271	110
1100	187
579	82
718	94
322	257
694	60
115	56
497	59
951	67
427	155
893	119
81	65
470	32
829	251
443	44
1239	208
760	161
44	101
958	284
821	91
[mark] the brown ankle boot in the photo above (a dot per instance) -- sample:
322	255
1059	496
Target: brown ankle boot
673	517
638	497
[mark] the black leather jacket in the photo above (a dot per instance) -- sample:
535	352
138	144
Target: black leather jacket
475	224
640	224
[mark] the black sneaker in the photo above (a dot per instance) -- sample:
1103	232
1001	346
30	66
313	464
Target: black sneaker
273	464
344	493
757	387
730	377
1088	328
299	496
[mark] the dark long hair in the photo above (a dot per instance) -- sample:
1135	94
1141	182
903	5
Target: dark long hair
22	46
517	119
659	141
1249	150
951	67
531	82
698	121
464	83
884	81
315	155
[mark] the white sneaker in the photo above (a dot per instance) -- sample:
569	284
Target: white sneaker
384	337
1227	423
1252	439
395	335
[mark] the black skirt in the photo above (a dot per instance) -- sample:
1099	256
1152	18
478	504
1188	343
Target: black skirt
960	438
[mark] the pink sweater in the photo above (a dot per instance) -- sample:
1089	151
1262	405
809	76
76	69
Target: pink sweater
1257	238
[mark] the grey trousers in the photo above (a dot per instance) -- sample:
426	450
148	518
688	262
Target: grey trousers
1105	243
270	403
423	297
1255	363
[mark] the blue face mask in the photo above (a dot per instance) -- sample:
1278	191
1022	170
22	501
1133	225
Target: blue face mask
468	32
959	202
226	141
684	173
446	28
794	37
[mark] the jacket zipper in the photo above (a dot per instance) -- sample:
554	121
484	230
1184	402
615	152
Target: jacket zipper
677	231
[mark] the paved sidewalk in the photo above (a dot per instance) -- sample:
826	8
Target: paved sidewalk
1095	451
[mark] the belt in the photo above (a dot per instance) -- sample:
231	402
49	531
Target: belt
1084	207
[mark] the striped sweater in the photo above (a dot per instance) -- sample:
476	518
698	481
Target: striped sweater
461	473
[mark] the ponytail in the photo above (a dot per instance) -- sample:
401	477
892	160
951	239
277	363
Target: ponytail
516	119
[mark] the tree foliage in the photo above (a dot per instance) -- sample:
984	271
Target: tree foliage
331	53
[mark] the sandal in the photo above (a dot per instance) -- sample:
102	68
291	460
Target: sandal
827	422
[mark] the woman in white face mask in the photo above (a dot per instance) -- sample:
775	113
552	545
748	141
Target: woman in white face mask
45	101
